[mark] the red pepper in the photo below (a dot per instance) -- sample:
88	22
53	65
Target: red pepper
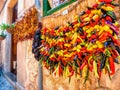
95	6
82	66
64	63
99	71
44	31
112	65
88	11
61	44
71	29
71	70
78	40
104	36
94	36
78	63
75	22
52	32
92	24
110	5
60	70
107	1
115	53
103	22
66	29
59	58
79	55
52	59
91	65
108	18
116	41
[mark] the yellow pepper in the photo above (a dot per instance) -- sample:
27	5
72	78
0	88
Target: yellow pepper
107	28
89	30
87	19
99	44
84	70
116	24
76	25
67	45
108	8
77	48
60	52
95	69
43	37
95	17
74	38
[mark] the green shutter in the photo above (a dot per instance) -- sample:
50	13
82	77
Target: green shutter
47	9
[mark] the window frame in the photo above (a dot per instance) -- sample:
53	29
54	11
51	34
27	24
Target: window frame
47	9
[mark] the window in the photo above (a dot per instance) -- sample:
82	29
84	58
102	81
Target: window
51	6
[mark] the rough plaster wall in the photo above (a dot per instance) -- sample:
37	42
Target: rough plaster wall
27	66
21	58
31	68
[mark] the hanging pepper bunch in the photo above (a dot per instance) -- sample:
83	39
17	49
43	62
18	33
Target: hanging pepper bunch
89	44
25	27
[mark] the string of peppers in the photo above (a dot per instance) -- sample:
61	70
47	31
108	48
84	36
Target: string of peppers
89	44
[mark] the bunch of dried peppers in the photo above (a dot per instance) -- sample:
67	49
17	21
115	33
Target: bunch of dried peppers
89	44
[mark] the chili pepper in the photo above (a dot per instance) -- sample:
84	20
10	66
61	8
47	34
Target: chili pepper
94	36
115	52
71	70
107	52
82	66
107	66
79	20
108	18
99	71
87	19
90	58
95	69
115	29
104	36
103	61
116	61
111	14
51	50
106	1
103	22
112	65
101	4
60	71
56	28
116	41
90	63
115	4
118	49
99	44
106	44
87	74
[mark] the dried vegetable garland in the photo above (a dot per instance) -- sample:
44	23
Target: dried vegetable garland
26	26
89	44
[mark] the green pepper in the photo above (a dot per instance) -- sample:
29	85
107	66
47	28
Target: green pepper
103	61
87	74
